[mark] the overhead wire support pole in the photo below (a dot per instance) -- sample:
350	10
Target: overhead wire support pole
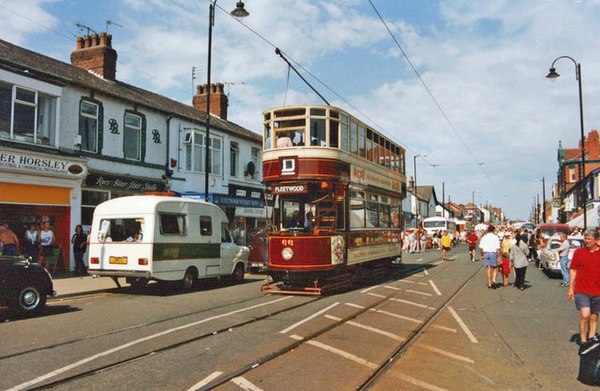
278	52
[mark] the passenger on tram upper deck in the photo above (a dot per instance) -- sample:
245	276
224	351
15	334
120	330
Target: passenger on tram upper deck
284	140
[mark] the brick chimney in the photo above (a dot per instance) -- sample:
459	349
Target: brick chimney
218	99
592	145
95	54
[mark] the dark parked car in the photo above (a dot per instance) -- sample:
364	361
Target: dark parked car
24	286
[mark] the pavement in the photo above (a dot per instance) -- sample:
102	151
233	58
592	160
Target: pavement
67	285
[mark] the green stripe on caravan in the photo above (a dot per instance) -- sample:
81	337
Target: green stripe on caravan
173	251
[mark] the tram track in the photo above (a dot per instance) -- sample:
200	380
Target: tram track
404	272
225	378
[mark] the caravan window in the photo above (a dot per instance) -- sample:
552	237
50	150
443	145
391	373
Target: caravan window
120	230
172	224
205	226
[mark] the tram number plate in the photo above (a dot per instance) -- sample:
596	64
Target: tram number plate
118	260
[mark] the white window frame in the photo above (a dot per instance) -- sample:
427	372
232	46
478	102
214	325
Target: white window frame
34	137
197	141
131	128
234	158
95	118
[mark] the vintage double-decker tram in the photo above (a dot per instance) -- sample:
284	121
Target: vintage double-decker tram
337	186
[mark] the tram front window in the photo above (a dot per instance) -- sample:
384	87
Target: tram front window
314	212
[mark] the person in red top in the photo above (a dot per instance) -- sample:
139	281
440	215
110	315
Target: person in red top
584	287
472	239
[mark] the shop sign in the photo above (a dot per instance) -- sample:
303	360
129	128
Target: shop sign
226	200
297	188
111	182
40	163
251	212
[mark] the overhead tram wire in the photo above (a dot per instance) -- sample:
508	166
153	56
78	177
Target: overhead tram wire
429	91
278	52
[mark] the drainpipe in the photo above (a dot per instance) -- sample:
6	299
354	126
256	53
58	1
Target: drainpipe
168	171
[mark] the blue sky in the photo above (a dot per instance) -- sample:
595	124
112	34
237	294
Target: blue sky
483	62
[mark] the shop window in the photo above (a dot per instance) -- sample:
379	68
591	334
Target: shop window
89	118
27	115
205	225
89	200
132	136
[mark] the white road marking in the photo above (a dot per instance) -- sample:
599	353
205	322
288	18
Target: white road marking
339	352
296	337
376	295
438	263
413	303
418	260
285	331
407	282
419	383
369	288
86	360
354	305
463	325
426	272
369	328
452	258
245	384
205	381
397	316
445	353
435	288
419	292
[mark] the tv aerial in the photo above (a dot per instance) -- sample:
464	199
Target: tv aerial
108	23
83	28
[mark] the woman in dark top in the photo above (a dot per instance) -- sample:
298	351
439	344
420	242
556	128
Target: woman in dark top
79	241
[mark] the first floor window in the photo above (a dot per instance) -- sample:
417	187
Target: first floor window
88	125
27	115
234	158
195	153
132	137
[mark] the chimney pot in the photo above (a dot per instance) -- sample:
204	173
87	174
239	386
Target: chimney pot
94	53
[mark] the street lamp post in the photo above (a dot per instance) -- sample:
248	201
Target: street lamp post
553	75
543	199
238	12
415	187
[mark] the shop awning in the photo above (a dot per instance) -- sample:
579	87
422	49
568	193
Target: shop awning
592	218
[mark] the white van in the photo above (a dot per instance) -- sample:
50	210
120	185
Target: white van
165	238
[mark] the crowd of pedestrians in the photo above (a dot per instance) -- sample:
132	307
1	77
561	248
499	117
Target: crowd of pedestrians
39	242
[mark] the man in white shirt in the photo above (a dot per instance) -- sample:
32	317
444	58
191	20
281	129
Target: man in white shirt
490	247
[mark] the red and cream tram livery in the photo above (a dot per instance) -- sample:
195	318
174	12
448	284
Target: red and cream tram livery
337	186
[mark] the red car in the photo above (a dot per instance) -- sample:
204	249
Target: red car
258	259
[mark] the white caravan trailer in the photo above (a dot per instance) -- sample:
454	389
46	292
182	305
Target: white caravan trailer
151	237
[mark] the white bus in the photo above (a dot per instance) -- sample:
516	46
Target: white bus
439	224
148	237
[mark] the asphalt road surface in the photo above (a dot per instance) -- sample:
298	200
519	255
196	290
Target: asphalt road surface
433	325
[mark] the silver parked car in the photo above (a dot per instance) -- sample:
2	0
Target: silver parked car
549	259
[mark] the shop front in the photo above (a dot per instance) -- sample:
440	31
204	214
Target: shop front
36	187
99	187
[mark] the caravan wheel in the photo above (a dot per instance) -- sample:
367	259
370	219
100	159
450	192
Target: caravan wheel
189	278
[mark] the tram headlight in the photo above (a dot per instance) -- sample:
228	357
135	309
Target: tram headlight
287	253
